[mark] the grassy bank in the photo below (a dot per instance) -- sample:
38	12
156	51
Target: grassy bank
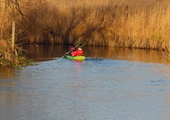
11	58
133	23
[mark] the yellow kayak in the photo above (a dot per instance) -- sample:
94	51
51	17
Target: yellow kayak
75	57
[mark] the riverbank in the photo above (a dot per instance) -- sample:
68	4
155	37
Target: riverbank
10	57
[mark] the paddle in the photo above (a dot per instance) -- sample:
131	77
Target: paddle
79	45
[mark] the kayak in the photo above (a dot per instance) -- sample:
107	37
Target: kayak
75	57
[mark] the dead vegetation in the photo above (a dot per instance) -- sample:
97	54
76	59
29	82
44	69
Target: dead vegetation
126	23
10	57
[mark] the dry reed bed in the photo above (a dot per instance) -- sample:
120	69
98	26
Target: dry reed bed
9	57
132	23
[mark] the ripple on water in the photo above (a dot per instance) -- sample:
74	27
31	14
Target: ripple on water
95	89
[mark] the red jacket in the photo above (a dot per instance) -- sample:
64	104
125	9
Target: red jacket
77	53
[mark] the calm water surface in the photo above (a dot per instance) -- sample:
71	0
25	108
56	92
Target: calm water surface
111	84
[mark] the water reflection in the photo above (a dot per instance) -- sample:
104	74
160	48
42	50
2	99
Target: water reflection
48	52
44	52
7	77
6	73
127	54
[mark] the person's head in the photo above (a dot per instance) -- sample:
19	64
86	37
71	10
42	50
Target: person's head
72	48
79	48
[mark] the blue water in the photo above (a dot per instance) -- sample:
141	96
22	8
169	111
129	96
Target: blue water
95	89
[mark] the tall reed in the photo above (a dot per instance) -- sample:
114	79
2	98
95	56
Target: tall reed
4	22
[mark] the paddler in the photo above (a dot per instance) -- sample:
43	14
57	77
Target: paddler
78	52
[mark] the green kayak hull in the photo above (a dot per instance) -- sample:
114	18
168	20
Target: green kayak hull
75	57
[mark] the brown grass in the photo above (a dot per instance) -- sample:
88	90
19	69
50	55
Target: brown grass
6	50
126	23
11	58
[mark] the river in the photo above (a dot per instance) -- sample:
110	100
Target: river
111	84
